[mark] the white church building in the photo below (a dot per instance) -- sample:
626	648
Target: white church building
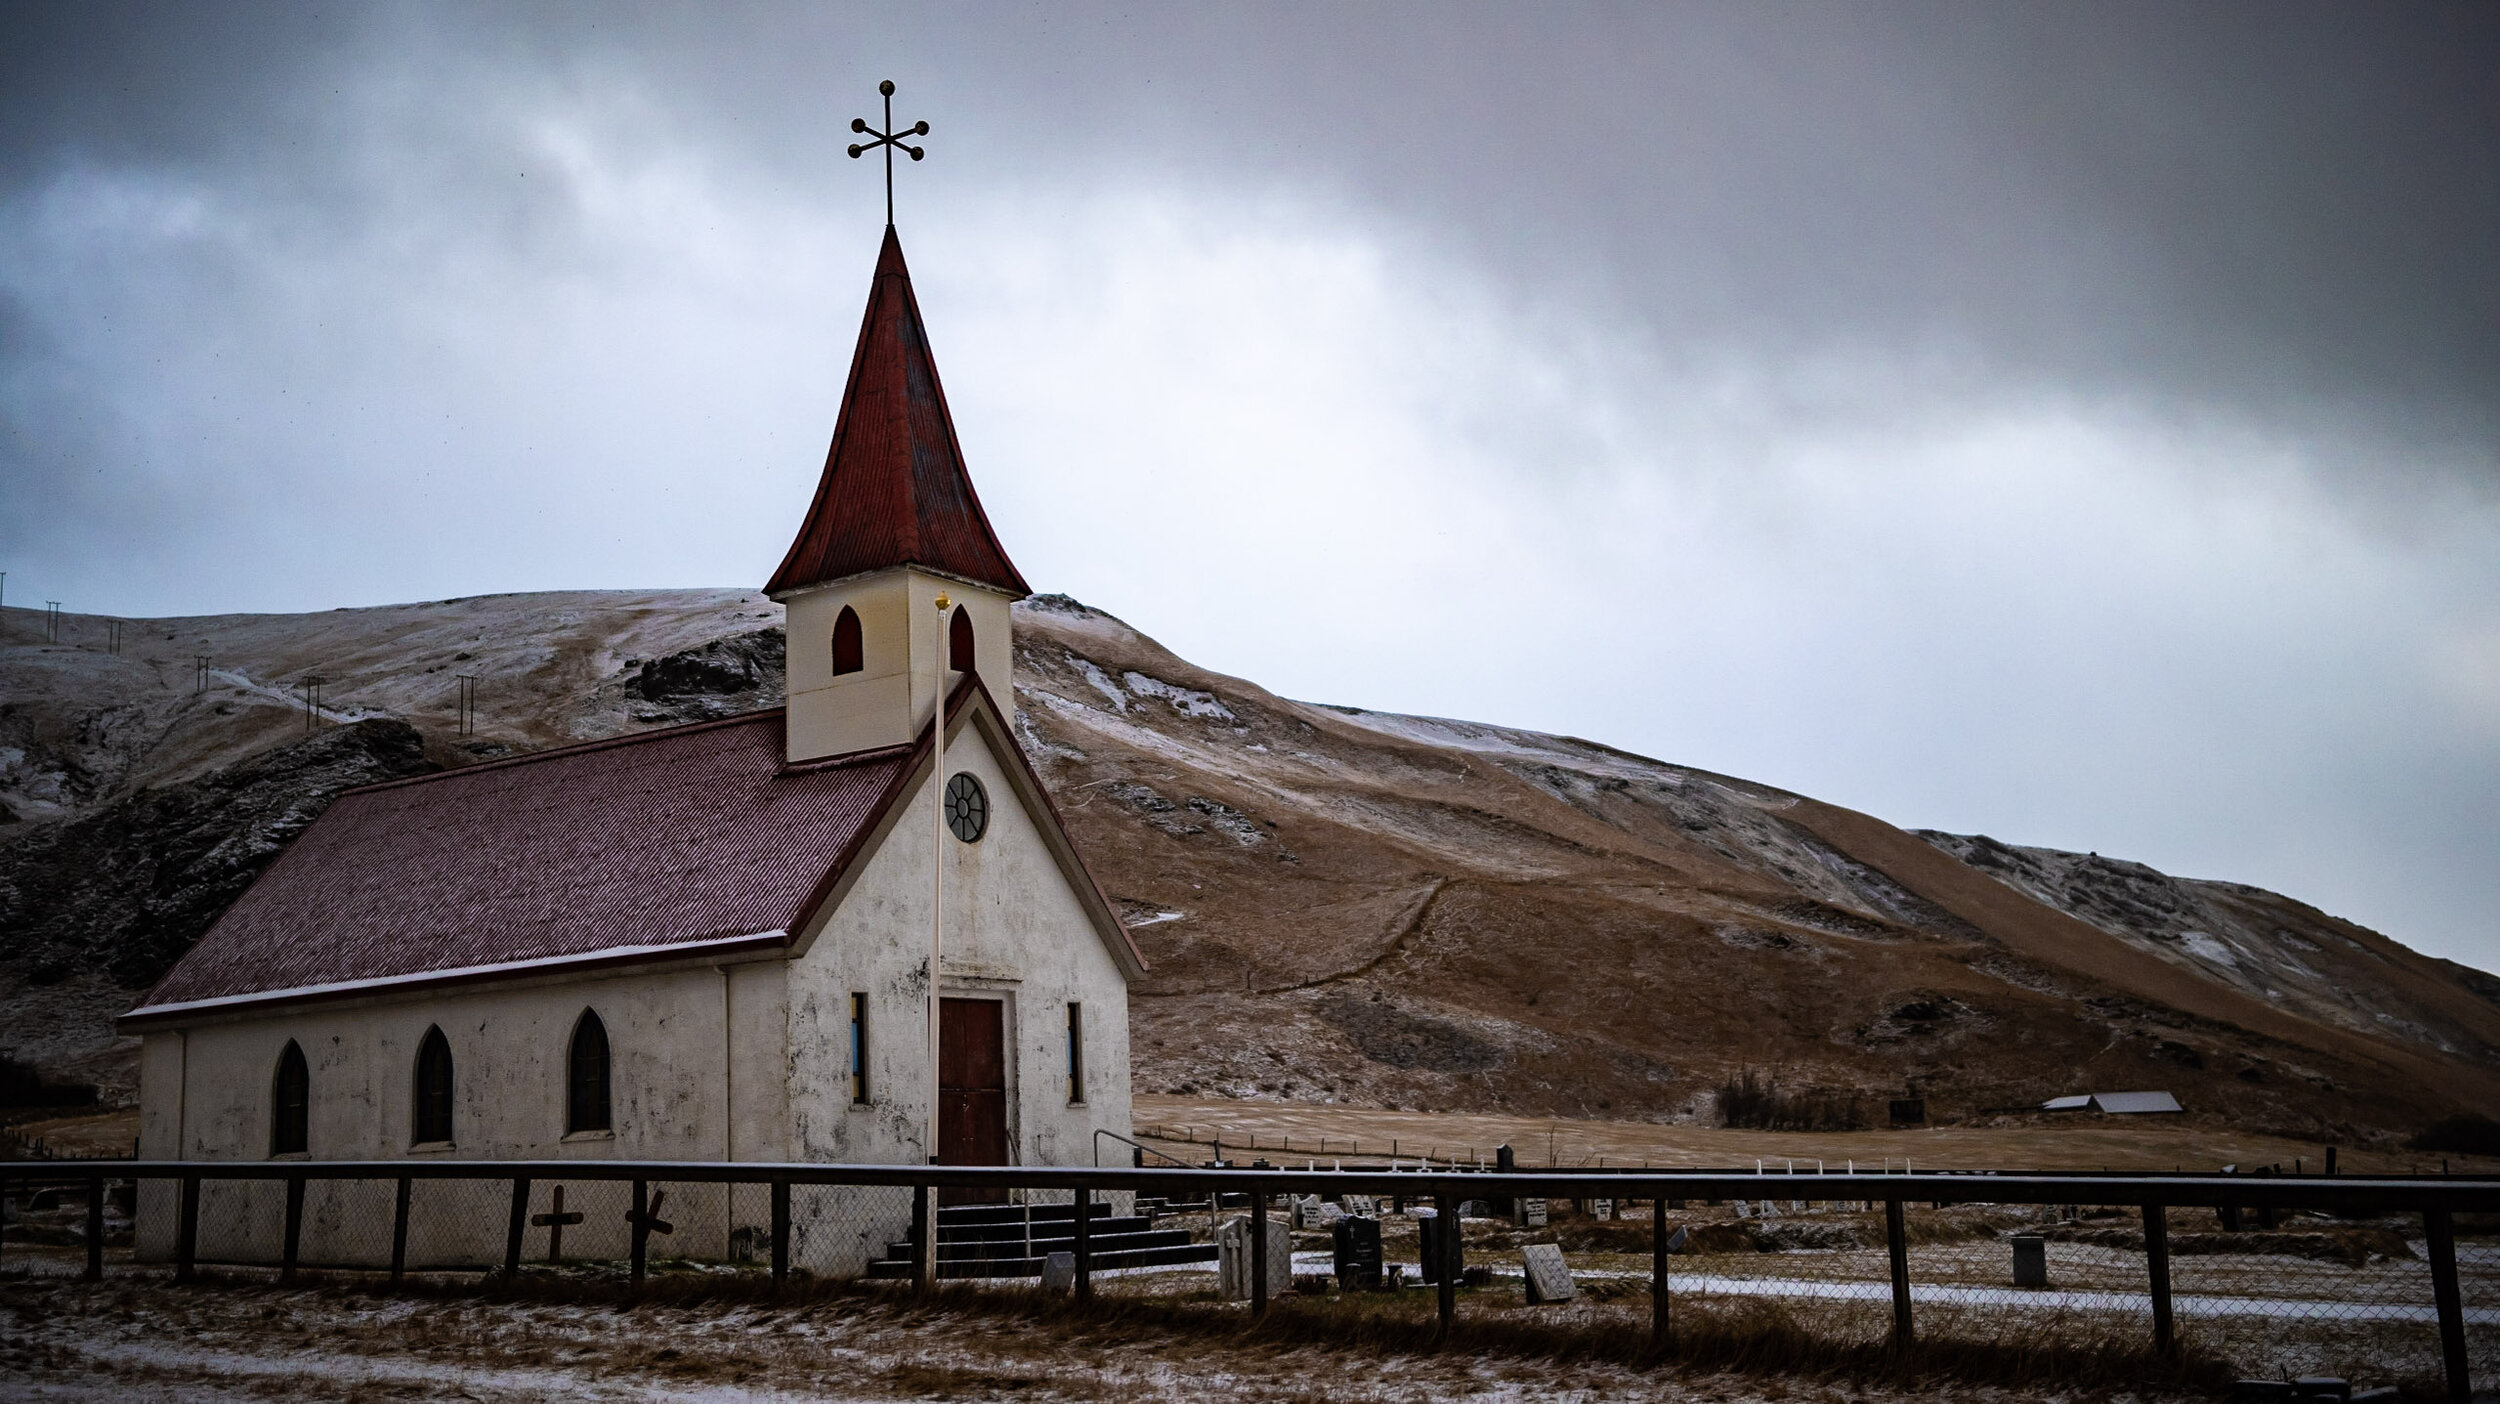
705	942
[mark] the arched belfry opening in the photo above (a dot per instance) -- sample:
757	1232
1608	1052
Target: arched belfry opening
290	1121
849	656
959	641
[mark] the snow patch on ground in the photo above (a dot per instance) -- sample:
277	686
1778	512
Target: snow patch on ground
1100	680
2205	947
1188	700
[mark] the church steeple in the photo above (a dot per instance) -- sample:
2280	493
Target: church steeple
894	526
895	491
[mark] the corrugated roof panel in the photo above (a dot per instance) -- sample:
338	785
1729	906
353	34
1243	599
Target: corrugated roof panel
675	836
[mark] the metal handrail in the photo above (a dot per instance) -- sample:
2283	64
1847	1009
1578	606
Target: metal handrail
1102	1131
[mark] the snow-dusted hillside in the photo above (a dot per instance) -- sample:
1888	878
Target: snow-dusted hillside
1339	904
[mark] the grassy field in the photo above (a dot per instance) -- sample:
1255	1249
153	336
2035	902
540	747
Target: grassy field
1279	1129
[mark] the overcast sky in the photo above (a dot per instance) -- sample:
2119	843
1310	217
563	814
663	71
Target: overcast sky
2078	423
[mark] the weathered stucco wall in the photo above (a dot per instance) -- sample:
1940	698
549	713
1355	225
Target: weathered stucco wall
696	1073
1016	932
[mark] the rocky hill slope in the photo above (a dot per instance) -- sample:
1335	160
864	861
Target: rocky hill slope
1338	904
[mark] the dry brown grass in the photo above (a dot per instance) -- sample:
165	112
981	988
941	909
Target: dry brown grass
1747	1337
1266	1128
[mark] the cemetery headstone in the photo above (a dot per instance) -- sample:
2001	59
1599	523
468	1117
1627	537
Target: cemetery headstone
1549	1279
1601	1208
2031	1260
1232	1258
1676	1241
1059	1272
1357	1245
1743	1210
1532	1213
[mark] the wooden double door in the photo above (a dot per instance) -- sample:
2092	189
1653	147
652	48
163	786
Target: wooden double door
972	1091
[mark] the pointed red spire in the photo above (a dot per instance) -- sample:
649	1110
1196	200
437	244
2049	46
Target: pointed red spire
895	491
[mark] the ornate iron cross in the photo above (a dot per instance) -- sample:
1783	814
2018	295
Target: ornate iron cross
890	139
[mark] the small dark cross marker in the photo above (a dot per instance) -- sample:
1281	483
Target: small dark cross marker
650	1219
890	139
554	1225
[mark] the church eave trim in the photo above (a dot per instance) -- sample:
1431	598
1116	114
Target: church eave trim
149	1016
785	595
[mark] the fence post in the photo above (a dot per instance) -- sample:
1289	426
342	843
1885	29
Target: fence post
514	1228
1658	1275
924	1239
1897	1239
294	1228
1258	1252
1084	1242
2441	1231
95	1228
399	1231
187	1230
1445	1248
2157	1274
642	1228
781	1232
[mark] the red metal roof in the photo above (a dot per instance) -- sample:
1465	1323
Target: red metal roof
667	838
895	491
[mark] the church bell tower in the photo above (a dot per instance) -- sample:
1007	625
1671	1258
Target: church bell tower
894	525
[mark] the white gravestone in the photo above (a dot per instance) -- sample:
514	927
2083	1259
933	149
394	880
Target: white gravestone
1549	1279
1601	1208
1232	1259
1743	1210
1533	1213
1059	1272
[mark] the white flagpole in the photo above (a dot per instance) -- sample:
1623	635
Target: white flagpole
937	913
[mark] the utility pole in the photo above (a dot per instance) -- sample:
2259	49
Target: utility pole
312	699
200	681
51	621
468	703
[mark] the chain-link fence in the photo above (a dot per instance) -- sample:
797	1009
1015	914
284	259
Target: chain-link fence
2392	1281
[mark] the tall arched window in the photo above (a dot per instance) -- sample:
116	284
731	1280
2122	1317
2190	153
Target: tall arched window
959	641
291	1107
433	1119
848	657
586	1077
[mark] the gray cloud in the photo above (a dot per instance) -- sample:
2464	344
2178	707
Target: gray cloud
2081	422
